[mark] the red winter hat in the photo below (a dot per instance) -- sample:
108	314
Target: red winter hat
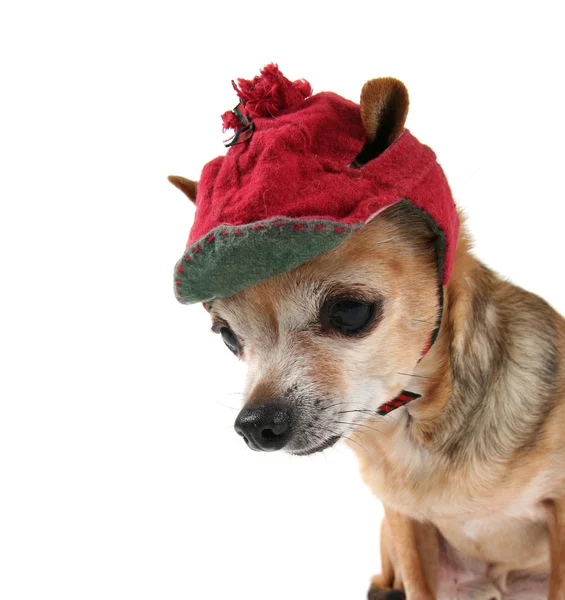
301	175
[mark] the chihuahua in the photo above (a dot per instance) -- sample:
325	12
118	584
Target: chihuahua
471	471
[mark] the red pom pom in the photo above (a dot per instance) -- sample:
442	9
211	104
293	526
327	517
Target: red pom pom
271	92
230	121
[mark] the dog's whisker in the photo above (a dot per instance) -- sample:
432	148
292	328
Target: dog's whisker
355	442
369	413
392	417
344	436
355	425
418	376
427	321
336	404
359	410
370	428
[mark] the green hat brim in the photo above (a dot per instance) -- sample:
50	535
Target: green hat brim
231	258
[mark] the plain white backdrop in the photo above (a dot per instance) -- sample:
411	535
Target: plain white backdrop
120	473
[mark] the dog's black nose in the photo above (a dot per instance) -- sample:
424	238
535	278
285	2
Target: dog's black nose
266	427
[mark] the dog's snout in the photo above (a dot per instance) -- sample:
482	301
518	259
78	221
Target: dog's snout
265	427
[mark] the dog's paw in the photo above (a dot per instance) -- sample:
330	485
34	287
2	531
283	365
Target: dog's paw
380	594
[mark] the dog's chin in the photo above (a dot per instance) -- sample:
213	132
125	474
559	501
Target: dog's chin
314	449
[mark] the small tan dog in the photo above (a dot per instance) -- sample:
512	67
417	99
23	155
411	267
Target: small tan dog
471	474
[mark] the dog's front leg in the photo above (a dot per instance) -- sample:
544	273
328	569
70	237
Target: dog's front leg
556	525
410	559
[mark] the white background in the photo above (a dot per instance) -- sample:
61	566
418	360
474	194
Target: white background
120	474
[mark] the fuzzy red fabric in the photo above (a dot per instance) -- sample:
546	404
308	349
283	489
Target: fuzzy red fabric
230	121
296	165
271	92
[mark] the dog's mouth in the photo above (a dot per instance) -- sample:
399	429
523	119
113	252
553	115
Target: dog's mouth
324	446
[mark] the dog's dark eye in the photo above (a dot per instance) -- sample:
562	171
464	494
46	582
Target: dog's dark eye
229	338
349	317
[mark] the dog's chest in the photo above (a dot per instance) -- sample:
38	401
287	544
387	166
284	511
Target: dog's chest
485	522
505	542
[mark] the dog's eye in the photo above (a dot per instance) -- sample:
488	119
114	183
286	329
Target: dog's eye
230	340
349	317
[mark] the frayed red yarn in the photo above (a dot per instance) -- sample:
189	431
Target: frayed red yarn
230	121
271	92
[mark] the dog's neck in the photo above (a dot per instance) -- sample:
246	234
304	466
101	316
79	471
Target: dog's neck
497	344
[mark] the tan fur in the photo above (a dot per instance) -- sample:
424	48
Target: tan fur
556	523
186	186
456	498
472	475
265	388
379	97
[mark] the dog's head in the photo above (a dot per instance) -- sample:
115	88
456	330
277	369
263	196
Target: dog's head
330	341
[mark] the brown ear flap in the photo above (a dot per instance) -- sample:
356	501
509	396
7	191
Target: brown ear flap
186	186
384	108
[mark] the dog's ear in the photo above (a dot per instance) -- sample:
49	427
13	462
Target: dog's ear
415	228
186	186
384	107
